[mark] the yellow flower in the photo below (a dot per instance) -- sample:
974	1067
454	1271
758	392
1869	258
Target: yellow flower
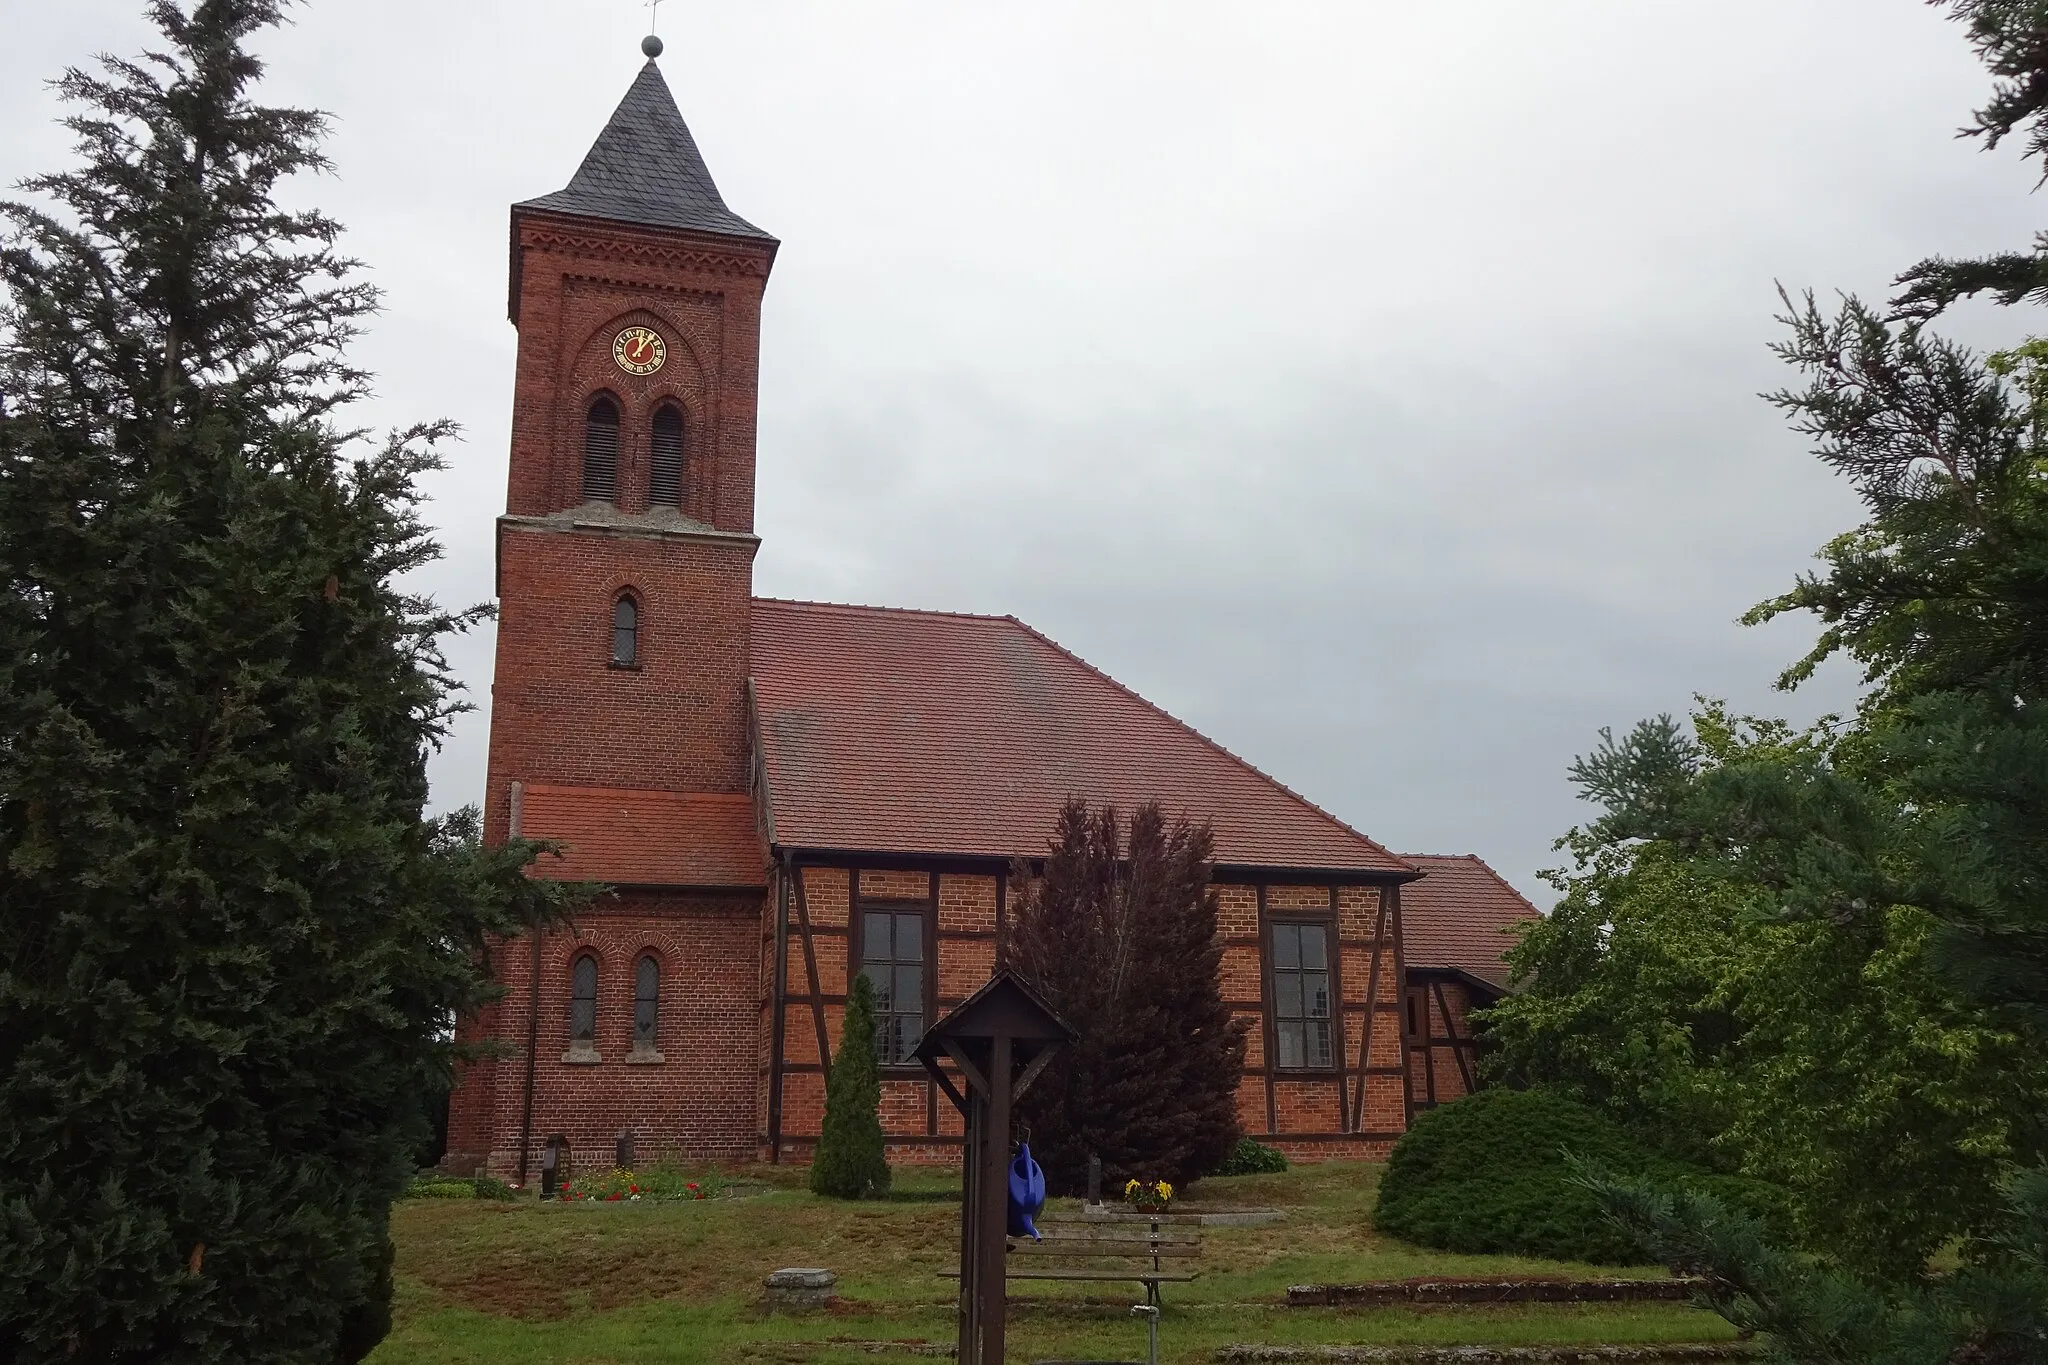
1165	1190
1130	1187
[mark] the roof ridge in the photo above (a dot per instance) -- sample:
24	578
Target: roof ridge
886	611
1242	762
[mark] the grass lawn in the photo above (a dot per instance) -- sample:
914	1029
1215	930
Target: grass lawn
499	1284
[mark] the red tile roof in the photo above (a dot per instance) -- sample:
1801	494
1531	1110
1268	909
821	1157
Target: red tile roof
930	732
1460	915
646	838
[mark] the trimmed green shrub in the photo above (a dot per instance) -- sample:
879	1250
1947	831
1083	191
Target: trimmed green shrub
850	1162
490	1187
1252	1158
440	1187
434	1185
1489	1174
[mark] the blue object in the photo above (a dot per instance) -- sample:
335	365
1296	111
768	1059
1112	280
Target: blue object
1027	1193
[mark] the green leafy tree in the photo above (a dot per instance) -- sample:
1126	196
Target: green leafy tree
1934	802
1904	856
1619	992
1119	937
851	1162
1828	1057
229	939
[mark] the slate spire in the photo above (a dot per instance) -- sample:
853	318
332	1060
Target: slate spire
645	168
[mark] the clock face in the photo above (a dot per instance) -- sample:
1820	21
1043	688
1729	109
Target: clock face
639	350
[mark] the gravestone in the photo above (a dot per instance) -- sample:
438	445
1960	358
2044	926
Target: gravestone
554	1166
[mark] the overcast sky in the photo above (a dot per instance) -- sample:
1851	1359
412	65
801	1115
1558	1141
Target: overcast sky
1373	386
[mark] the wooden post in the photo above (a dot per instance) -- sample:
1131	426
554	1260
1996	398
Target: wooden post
971	1266
995	1200
994	1031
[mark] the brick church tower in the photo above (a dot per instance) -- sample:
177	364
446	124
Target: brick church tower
619	707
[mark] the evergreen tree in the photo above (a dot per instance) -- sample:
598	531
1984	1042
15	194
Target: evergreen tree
1934	800
229	940
2011	39
1120	939
1827	1055
850	1162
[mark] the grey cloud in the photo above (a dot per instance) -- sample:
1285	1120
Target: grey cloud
1373	388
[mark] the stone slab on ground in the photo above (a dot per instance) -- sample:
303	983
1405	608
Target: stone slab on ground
798	1287
1487	1289
1704	1353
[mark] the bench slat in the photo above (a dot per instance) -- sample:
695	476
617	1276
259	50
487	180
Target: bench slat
1051	1236
1120	1241
1170	1253
1126	1276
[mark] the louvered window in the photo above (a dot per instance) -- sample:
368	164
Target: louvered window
665	467
601	452
626	631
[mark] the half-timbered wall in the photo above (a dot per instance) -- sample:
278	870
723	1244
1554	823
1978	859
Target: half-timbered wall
958	911
1354	1105
1442	1052
1350	1103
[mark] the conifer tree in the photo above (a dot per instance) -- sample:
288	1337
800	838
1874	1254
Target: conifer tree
1934	799
229	940
850	1162
1119	937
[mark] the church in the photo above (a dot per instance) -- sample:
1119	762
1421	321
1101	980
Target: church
783	794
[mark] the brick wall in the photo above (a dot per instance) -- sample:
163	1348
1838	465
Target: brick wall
561	713
578	284
675	721
697	1100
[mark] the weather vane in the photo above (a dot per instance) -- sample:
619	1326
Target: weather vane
653	15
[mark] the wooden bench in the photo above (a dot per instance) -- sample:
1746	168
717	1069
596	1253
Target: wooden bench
1127	1253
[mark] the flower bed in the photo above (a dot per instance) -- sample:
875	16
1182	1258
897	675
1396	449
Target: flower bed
619	1185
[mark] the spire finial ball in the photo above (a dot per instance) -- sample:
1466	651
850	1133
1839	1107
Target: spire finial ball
651	45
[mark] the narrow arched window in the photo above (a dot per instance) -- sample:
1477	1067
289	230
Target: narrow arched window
665	462
626	631
646	1001
583	1000
601	451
